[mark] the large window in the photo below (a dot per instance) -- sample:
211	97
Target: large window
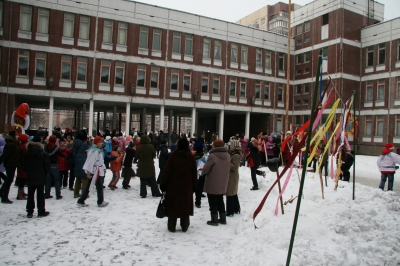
325	52
379	125
306	26
370	56
381	54
23	63
243	87
69	20
307	39
84	27
25	21
232	88
299	29
105	71
257	92
40	65
154	77
298	89
174	79
258	57
141	77
268	59
307	88
233	53
217	50
280	94
204	83
397	133
266	90
108	30
66	63
186	80
369	95
216	84
306	57
143	40
381	89
82	69
176	46
122	33
299	59
43	21
281	62
157	39
368	125
188	44
119	72
244	55
206	48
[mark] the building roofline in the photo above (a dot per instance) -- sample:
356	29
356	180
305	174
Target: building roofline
382	22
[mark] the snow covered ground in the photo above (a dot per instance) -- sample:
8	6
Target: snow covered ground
331	231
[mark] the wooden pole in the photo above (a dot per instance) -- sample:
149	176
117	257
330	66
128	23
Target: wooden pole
279	187
354	146
288	72
322	183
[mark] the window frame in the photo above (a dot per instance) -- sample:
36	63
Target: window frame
122	26
85	63
299	59
119	65
156	32
28	13
43	13
234	47
176	39
232	81
187	74
64	60
69	17
143	69
154	69
106	64
267	59
369	87
369	56
217	43
40	57
281	57
368	121
398	88
243	81
299	41
267	90
380	86
307	88
280	92
299	29
174	73
258	57
379	122
307	29
143	31
307	39
82	21
189	44
298	89
108	23
397	127
307	57
257	89
381	47
243	54
206	42
325	19
216	78
205	77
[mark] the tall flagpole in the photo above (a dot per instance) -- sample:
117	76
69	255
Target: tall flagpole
288	72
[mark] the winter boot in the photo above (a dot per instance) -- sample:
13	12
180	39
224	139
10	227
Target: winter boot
214	220
222	218
20	195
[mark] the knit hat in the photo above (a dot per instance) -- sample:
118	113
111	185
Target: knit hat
289	132
97	140
183	144
36	139
108	137
389	146
218	143
23	138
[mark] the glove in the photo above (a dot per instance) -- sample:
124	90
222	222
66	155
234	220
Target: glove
89	175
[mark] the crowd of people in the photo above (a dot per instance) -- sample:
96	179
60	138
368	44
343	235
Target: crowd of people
71	159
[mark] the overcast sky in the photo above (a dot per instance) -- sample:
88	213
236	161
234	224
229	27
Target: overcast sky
233	10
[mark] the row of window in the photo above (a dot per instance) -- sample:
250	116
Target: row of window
306	26
380	94
381	54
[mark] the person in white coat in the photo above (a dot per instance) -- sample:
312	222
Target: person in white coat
387	165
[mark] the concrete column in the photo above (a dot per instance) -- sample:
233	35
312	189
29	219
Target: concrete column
194	116
153	122
247	126
143	121
114	122
91	115
84	116
127	119
161	119
170	126
51	110
221	125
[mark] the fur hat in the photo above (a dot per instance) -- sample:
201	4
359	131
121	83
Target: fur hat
236	144
183	144
108	137
23	138
218	143
97	140
389	146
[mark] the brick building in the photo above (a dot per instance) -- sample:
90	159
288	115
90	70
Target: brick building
125	58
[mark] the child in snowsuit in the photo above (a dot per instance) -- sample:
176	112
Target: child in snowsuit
387	165
116	166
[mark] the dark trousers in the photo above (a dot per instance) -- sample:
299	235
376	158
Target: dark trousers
5	188
160	175
263	160
30	204
3	177
53	175
153	184
383	181
199	189
71	178
21	182
232	204
127	176
63	178
253	171
99	188
216	203
185	222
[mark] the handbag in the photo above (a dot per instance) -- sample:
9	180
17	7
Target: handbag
161	207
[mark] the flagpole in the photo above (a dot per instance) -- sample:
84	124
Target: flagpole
303	175
288	72
354	145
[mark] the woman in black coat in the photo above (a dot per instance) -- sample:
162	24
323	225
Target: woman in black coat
79	151
179	182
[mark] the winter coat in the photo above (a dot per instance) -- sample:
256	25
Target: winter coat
2	143
233	183
217	170
145	154
121	143
244	145
54	152
108	145
261	143
130	153
11	152
36	164
174	137
20	171
179	181
116	165
254	154
79	150
270	148
164	153
62	161
387	162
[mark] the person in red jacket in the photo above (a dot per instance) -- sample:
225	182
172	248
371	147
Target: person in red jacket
21	176
62	164
116	166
